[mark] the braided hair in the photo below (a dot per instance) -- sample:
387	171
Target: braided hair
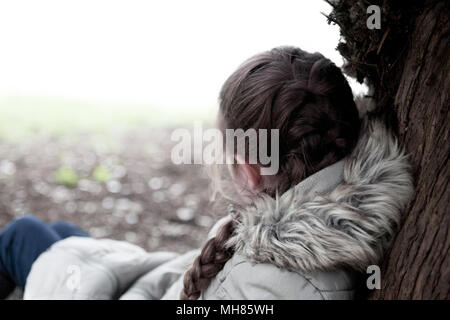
306	97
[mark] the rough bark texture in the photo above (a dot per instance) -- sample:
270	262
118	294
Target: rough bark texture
406	63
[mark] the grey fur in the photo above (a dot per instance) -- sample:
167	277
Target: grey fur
350	225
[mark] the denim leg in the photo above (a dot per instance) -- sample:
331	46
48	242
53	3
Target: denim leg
65	229
21	243
6	285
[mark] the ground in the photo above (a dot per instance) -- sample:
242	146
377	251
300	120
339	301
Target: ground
120	185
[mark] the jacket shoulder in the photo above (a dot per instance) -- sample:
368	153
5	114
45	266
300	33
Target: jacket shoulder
242	278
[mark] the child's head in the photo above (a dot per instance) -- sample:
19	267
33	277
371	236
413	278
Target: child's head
303	95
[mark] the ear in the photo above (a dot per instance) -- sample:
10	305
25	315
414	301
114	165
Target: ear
248	175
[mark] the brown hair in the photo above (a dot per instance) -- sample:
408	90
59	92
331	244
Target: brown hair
308	99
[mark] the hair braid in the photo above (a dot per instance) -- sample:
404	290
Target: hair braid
211	260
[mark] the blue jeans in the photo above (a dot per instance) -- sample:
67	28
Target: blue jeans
21	243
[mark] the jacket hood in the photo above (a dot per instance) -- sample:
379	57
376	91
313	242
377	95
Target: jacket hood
342	216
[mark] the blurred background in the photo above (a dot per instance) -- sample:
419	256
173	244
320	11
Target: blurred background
91	90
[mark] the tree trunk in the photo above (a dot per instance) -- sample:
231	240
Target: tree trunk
410	79
418	265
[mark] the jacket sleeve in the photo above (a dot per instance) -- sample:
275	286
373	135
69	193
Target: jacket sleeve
87	268
154	284
248	280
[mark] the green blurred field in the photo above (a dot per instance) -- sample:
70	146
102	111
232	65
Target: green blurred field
21	116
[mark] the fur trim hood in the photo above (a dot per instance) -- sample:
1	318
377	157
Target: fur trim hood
342	216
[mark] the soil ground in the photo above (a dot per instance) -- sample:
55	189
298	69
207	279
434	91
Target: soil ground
121	186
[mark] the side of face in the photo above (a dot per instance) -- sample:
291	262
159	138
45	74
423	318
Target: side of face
247	179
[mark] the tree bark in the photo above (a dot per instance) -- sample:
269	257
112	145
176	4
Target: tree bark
418	265
411	81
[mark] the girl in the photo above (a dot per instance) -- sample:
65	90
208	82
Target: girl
306	232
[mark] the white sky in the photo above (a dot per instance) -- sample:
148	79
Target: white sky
167	53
